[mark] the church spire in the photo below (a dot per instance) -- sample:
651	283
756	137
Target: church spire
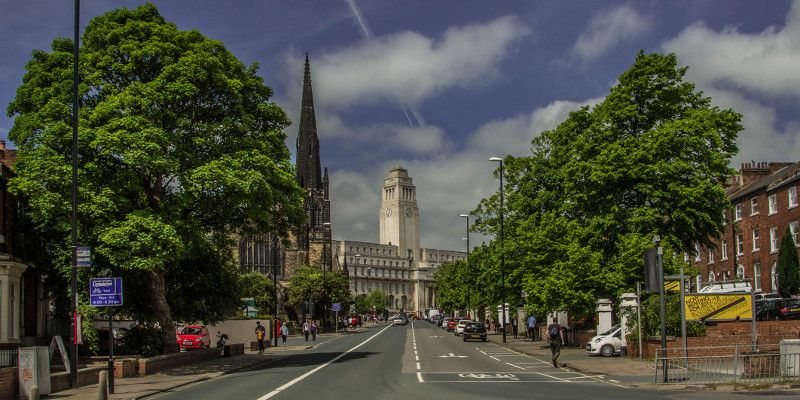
309	173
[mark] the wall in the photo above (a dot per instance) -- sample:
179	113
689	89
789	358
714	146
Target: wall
8	383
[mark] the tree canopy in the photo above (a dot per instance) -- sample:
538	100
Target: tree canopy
788	267
650	159
180	150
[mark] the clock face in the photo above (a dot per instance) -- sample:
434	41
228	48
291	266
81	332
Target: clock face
388	212
409	211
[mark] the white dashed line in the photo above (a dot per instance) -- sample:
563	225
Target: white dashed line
515	366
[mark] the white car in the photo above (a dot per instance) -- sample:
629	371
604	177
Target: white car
607	343
460	326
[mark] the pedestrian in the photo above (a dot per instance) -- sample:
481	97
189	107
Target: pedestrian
306	329
284	334
556	336
514	327
313	330
358	320
531	324
260	333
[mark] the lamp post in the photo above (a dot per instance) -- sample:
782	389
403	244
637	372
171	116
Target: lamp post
327	260
502	249
469	272
73	370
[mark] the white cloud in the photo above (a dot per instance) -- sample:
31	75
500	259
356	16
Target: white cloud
607	29
749	73
411	66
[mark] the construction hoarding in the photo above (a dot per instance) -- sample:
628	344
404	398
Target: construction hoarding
718	307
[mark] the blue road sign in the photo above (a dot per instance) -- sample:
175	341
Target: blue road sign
336	307
105	292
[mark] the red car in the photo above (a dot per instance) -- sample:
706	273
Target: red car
194	337
451	325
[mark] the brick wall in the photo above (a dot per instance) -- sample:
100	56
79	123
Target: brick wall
721	339
8	383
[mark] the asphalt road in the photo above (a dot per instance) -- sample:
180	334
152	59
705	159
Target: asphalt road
417	361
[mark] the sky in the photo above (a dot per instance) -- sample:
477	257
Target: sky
439	87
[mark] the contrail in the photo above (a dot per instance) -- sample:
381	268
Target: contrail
367	33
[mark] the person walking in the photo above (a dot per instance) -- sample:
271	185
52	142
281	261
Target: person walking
313	329
514	327
531	324
284	333
556	337
306	329
260	333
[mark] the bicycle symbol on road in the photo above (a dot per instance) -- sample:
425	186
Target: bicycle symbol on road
489	376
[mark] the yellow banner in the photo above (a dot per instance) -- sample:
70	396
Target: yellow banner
672	286
718	307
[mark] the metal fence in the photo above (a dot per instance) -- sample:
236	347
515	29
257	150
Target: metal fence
8	357
738	366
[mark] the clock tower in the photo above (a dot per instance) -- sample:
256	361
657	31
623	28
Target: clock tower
399	214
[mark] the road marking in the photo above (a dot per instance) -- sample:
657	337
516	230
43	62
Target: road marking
553	377
309	373
451	355
418	368
515	366
614	380
494	358
419	376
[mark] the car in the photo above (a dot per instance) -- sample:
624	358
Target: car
607	343
788	309
460	326
194	337
399	320
451	325
768	296
445	322
767	309
474	330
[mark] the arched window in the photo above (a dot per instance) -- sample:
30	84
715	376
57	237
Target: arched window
773	277
711	277
740	272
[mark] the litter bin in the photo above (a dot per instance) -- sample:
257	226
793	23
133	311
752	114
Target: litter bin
34	369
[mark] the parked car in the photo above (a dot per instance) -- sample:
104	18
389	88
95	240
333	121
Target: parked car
460	326
399	320
607	343
194	337
445	322
474	330
788	309
767	309
451	325
768	296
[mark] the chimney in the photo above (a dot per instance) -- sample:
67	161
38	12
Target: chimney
753	171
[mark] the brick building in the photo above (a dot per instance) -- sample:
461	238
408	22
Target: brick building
764	196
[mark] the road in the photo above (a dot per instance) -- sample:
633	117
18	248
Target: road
417	361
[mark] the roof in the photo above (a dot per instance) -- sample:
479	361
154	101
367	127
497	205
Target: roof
785	175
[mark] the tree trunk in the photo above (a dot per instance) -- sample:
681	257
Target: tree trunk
158	295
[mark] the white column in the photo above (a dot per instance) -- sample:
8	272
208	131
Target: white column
4	317
16	292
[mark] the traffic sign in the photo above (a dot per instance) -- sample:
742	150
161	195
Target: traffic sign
336	307
83	256
105	292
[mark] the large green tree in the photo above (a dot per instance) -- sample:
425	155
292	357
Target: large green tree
309	283
788	267
180	150
650	159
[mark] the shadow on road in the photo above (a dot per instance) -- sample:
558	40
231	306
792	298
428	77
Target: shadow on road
309	359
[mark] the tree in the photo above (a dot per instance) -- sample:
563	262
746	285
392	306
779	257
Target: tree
378	300
259	287
180	150
649	159
788	266
307	284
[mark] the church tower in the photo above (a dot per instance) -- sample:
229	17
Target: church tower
399	214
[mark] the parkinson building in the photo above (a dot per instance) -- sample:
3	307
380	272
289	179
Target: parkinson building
397	265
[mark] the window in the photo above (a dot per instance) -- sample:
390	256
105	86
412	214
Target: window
754	206
756	240
697	252
740	272
740	244
711	277
772	204
724	250
697	282
773	277
738	216
793	228
773	240
710	256
792	196
757	276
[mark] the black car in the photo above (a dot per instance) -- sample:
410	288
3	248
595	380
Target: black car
474	330
788	309
767	309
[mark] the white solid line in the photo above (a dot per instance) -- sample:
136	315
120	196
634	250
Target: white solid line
553	377
309	373
419	376
515	366
614	380
494	358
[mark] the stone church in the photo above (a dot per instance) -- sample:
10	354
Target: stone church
397	265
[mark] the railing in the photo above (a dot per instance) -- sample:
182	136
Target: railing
739	366
8	357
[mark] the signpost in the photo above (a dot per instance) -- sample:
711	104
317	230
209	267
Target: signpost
336	307
107	292
84	255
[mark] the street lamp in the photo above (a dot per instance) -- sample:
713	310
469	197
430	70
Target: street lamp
502	249
327	260
469	272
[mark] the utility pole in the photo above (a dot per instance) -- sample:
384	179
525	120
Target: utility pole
73	373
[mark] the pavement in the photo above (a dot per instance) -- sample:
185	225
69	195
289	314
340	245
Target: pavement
178	378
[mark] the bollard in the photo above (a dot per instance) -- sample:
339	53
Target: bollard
102	385
33	393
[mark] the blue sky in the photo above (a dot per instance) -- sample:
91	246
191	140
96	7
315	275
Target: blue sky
439	87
